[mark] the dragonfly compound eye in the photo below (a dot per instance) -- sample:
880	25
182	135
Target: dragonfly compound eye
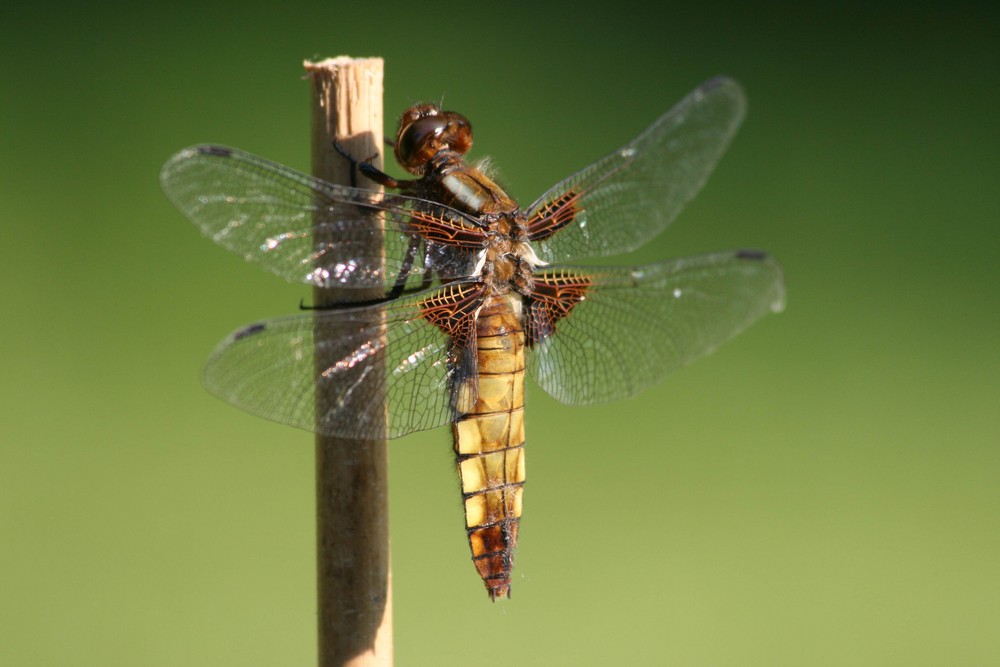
425	131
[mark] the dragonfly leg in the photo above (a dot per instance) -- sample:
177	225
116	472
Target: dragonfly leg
406	269
371	172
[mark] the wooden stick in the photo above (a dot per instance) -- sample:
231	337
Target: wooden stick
352	516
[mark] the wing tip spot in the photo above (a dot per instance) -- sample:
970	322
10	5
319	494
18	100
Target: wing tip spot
755	255
248	331
217	151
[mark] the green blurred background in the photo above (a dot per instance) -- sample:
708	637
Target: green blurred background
821	491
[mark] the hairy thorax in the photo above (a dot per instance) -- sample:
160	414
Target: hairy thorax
507	261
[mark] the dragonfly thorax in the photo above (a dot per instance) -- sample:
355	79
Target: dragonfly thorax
506	265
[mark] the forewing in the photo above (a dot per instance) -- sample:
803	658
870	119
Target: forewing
634	325
622	201
266	212
371	358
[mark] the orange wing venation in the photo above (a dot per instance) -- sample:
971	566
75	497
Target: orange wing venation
553	215
622	201
452	310
637	324
554	295
268	214
268	368
433	227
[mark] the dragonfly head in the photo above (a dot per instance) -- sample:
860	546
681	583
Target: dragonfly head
425	131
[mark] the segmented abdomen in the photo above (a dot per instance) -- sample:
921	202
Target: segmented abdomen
489	442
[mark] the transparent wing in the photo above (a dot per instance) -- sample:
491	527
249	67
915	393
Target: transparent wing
272	369
265	213
622	201
634	325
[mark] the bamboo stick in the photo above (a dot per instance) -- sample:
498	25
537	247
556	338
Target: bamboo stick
353	568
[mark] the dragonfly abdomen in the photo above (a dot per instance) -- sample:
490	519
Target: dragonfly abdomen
489	442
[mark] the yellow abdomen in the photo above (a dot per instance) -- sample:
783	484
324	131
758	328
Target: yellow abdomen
489	442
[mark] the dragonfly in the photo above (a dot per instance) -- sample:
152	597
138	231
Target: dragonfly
473	291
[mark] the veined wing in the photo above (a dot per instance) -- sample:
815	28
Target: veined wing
622	201
385	355
265	212
628	327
